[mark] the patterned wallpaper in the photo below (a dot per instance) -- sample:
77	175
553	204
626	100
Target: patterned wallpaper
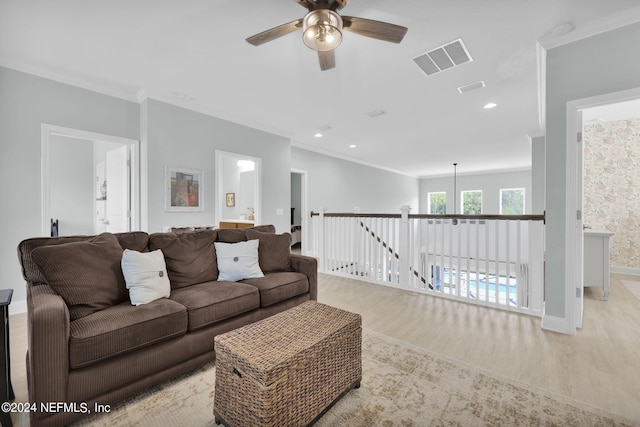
612	186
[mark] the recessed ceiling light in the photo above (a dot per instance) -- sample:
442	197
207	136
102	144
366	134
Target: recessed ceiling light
353	146
318	135
490	106
376	113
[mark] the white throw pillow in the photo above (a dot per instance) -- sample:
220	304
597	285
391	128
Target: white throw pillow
145	275
237	261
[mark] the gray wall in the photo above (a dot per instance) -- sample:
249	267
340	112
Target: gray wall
27	101
537	174
594	66
296	199
169	136
489	183
178	137
71	181
340	186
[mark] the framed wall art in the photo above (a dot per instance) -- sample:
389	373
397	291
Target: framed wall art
183	190
231	199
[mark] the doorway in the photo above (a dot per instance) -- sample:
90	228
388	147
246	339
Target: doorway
574	185
299	213
238	190
90	182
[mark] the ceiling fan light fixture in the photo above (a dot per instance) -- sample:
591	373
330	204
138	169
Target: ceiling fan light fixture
322	30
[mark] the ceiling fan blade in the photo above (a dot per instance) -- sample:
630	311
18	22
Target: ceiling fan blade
327	59
306	4
339	4
274	33
375	29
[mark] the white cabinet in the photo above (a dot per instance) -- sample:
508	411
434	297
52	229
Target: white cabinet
596	260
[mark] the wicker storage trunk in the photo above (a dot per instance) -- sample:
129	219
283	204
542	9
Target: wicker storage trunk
288	369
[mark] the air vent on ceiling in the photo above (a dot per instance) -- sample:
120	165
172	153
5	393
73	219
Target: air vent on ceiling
444	57
472	86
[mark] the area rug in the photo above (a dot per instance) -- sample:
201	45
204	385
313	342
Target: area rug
402	385
633	286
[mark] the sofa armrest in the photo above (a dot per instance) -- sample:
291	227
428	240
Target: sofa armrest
308	266
48	341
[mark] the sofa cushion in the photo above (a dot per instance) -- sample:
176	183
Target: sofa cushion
123	328
211	302
145	275
235	235
274	250
190	257
86	274
237	261
279	286
30	271
134	240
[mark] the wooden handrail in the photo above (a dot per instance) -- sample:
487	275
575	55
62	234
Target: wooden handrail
355	215
530	217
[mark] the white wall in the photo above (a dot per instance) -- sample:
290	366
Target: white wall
574	71
340	186
489	183
231	180
246	195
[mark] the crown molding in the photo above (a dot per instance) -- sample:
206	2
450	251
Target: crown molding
599	26
65	77
192	104
348	159
137	95
476	173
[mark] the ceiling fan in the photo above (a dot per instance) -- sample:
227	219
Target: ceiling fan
322	29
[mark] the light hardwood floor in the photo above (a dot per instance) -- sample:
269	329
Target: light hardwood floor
599	366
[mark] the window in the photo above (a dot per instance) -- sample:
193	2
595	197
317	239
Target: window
437	203
512	201
471	202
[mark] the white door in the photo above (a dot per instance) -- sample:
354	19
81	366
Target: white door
117	207
101	201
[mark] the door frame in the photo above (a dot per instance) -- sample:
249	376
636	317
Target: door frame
47	130
306	215
573	191
219	188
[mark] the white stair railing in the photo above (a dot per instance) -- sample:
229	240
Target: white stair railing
491	260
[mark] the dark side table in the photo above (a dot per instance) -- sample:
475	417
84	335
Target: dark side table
6	389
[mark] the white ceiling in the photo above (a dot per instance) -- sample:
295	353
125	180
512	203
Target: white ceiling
193	53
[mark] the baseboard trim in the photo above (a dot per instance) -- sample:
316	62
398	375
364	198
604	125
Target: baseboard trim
557	324
625	270
18	307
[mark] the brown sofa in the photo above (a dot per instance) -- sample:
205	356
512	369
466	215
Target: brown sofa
87	343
